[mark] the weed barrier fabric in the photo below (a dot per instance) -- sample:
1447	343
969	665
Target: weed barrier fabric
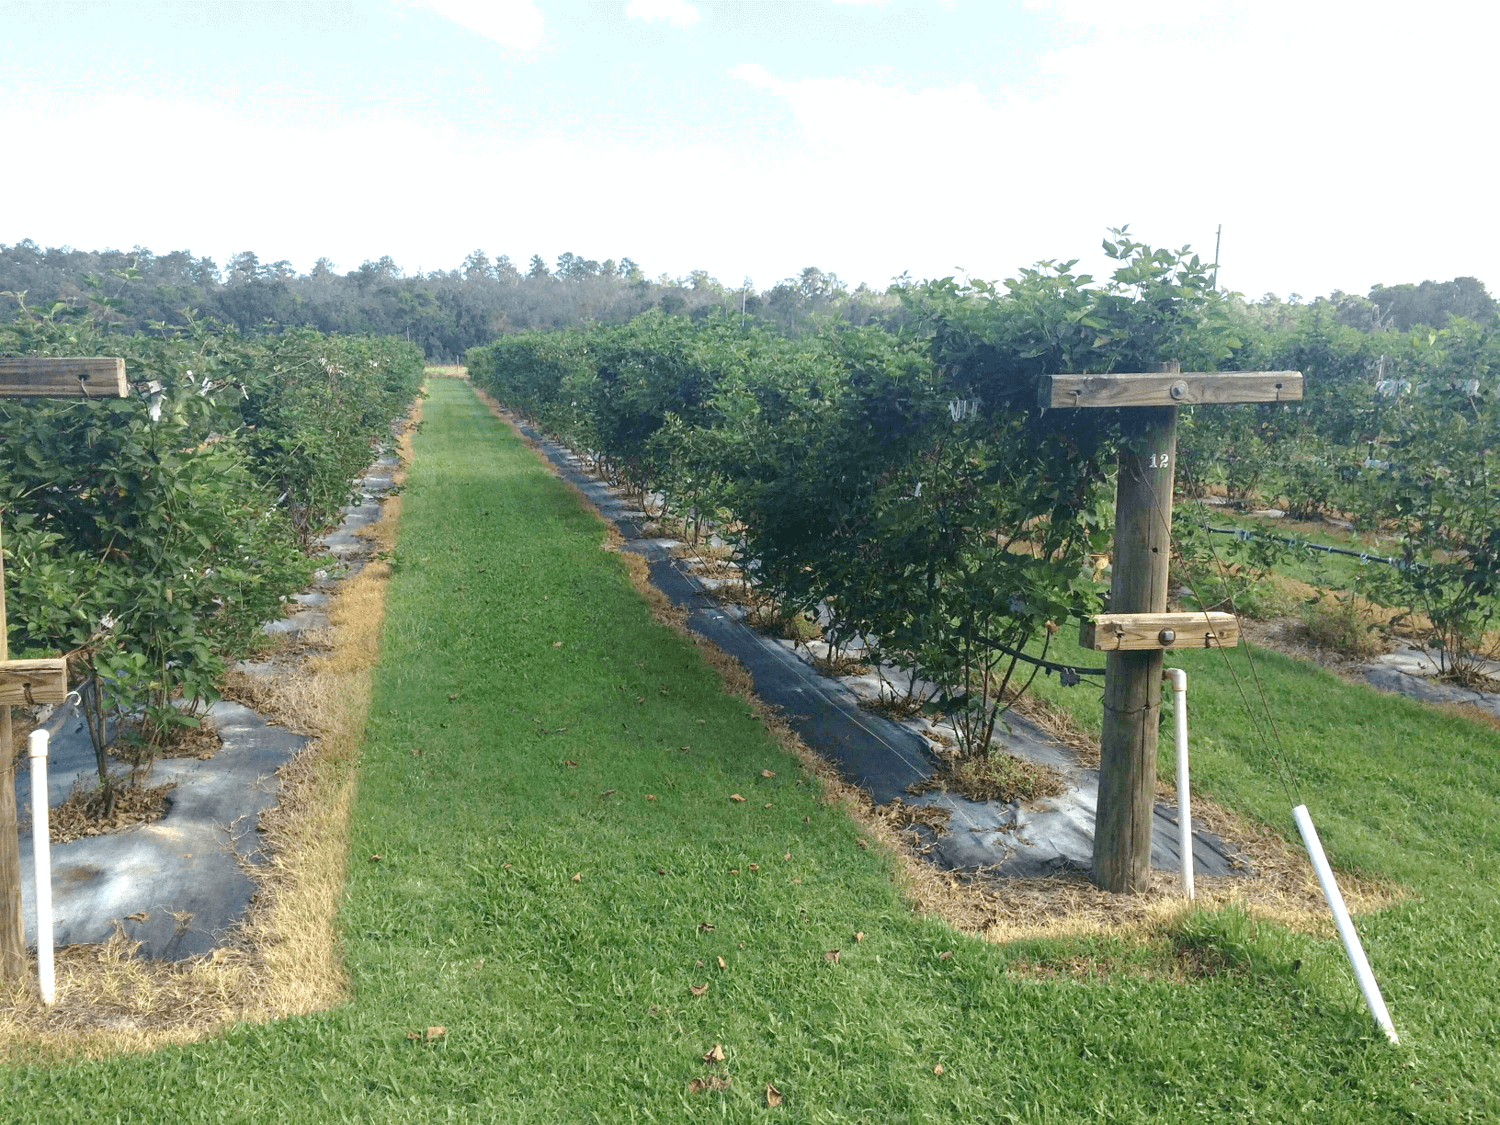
882	756
176	884
179	884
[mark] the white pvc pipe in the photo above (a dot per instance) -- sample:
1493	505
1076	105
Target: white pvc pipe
41	837
1352	947
1178	679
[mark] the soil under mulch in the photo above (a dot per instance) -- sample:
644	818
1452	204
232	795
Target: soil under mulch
201	742
82	814
995	776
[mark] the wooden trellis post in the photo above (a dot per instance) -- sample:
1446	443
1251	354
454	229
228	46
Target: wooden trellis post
1138	630
33	681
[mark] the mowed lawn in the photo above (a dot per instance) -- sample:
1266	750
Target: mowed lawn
550	784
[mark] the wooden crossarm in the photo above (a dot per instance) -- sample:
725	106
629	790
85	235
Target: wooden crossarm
1137	632
33	681
71	377
1161	388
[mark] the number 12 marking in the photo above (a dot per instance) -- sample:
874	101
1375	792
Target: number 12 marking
1159	460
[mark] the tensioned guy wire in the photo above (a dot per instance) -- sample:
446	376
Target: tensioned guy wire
1280	761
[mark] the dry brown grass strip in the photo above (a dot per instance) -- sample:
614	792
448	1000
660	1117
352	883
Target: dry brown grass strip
285	958
1282	887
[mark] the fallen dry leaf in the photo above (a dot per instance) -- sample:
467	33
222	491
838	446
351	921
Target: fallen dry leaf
700	964
863	844
714	1054
721	963
569	762
787	856
705	927
650	796
755	867
774	1097
416	753
435	1032
768	804
938	1069
742	945
452	695
766	773
796	882
712	1082
945	954
376	858
807	820
684	749
735	797
640	699
412	1036
860	936
702	721
606	793
661	870
697	989
557	644
505	867
734	870
142	916
832	955
578	878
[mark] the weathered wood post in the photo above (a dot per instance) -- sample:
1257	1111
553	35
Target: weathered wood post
33	681
1138	630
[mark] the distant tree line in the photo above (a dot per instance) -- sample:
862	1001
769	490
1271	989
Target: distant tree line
445	312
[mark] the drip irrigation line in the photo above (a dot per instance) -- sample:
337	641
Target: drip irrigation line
1244	533
1046	665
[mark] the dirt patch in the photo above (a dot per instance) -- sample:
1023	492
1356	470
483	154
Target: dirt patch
837	664
201	742
995	776
89	811
899	814
894	707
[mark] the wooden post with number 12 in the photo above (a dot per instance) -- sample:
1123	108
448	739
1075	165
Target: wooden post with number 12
1137	631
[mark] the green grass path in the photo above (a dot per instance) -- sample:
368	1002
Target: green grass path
568	1001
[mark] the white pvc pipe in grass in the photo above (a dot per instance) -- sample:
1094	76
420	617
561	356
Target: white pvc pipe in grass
1178	679
41	836
1352	947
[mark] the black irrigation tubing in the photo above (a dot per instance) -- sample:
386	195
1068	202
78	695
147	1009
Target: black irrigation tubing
1073	673
1244	533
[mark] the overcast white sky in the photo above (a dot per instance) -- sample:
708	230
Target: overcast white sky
1339	144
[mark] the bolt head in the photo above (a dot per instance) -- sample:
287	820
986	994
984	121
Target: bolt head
1179	390
1166	636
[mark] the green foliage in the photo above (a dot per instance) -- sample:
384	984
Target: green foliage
905	484
150	536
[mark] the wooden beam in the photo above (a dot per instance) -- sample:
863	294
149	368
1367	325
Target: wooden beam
86	377
33	681
1184	388
1139	632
